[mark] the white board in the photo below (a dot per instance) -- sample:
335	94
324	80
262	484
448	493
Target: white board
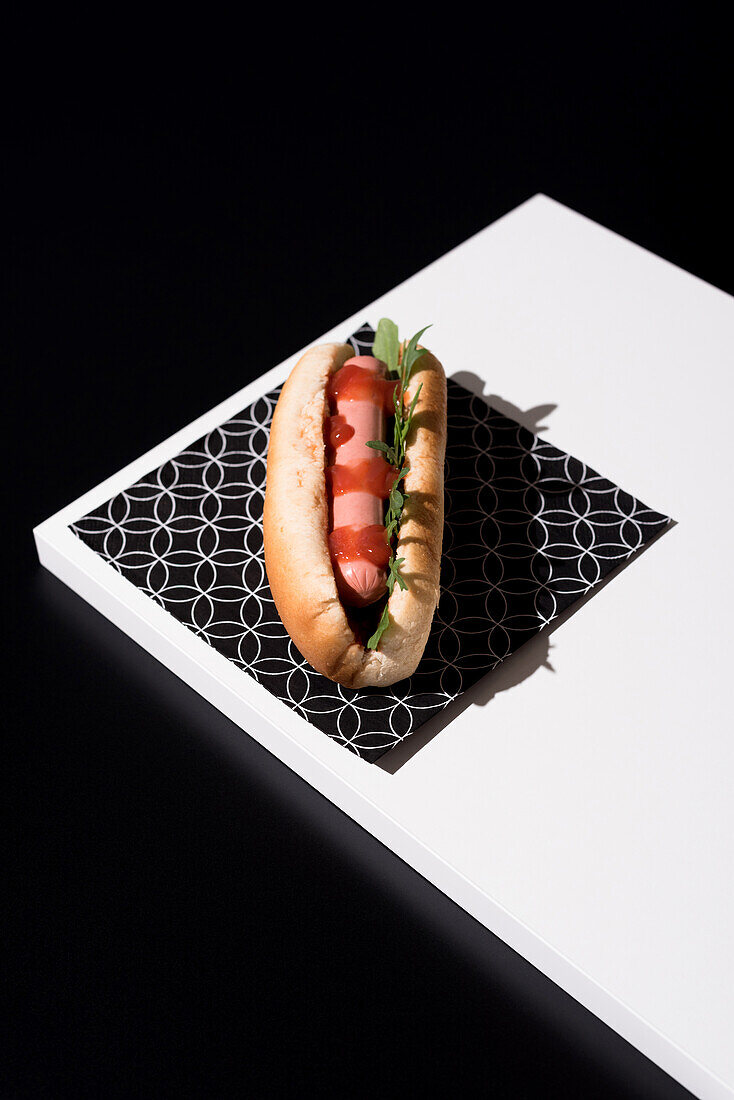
596	841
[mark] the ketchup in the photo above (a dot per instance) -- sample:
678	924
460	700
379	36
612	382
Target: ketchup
374	476
351	543
338	431
354	383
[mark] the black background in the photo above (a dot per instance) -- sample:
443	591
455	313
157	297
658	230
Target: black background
185	916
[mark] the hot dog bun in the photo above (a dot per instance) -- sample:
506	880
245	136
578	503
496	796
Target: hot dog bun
295	527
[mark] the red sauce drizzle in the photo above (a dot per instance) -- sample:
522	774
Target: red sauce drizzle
355	383
374	476
349	543
338	431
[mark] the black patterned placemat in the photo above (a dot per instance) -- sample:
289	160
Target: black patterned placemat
529	530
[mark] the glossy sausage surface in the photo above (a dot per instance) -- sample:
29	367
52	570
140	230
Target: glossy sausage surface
359	396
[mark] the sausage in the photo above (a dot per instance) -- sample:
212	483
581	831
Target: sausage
360	408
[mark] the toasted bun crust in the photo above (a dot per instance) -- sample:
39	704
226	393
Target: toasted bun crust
296	518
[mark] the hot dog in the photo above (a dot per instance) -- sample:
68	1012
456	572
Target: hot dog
353	512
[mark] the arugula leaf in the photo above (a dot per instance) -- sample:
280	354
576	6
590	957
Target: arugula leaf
411	354
382	626
387	348
396	575
387	344
396	499
379	445
394	578
413	404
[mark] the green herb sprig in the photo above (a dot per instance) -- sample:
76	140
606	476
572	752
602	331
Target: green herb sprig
387	348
